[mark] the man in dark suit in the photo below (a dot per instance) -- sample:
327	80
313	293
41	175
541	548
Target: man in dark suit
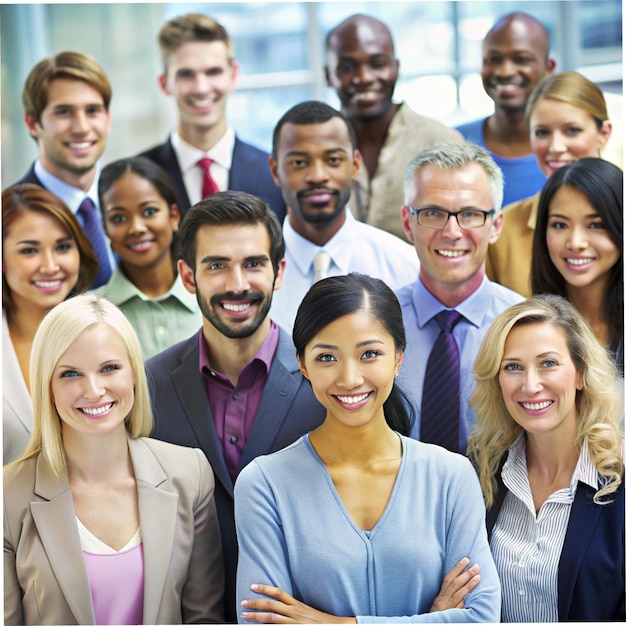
233	389
66	109
204	155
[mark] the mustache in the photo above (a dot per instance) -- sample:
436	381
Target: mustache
249	296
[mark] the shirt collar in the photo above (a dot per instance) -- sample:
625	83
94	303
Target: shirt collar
72	196
340	246
472	308
221	152
120	290
265	353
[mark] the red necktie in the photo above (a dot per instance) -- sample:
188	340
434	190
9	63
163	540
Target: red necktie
209	185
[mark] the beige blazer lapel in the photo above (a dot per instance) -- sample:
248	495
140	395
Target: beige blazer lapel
56	525
157	516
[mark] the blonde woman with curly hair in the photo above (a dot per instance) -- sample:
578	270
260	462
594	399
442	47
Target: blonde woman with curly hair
548	447
101	524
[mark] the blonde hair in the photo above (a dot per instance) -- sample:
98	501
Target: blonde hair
190	28
598	403
571	88
56	333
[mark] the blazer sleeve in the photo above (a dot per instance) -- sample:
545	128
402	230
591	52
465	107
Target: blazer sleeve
203	593
13	613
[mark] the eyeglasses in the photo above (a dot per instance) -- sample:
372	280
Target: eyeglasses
438	218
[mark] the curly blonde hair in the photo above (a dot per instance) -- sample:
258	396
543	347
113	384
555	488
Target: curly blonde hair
598	403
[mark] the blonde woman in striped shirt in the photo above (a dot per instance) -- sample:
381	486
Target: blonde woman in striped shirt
547	443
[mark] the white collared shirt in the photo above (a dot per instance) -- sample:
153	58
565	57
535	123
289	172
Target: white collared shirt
188	157
526	546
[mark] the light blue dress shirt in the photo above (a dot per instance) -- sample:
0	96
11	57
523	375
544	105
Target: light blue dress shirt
419	308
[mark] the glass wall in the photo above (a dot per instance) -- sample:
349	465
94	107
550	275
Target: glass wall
280	46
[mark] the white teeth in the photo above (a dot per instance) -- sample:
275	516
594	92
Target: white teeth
47	284
578	262
352	399
505	87
536	406
80	145
201	103
364	95
451	254
236	307
98	411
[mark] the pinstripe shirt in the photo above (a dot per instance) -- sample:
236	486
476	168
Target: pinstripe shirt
526	546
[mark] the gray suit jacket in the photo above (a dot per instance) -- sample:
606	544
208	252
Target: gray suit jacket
182	415
45	579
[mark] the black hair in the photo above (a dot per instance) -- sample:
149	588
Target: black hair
309	112
228	208
603	185
332	298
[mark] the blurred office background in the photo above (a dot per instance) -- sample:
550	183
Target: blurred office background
281	51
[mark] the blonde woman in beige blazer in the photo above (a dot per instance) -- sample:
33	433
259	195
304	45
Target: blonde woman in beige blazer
90	471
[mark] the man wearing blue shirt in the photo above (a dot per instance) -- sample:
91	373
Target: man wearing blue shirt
515	58
452	212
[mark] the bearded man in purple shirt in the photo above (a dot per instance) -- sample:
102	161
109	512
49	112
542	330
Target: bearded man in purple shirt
233	389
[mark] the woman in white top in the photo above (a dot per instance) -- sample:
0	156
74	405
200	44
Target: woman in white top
46	257
548	447
102	525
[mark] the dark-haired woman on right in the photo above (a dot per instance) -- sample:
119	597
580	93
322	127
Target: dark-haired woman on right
578	246
356	522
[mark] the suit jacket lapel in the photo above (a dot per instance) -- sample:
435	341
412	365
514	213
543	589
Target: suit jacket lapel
53	518
280	389
582	520
169	156
191	391
157	516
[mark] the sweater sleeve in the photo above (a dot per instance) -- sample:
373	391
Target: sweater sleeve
262	548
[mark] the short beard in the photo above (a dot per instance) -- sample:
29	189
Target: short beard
240	331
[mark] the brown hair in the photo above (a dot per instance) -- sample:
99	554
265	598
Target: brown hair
19	199
190	28
72	65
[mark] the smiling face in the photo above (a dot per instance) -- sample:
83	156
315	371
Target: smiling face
561	133
452	259
578	243
362	68
234	279
93	384
200	77
539	380
515	59
40	261
139	222
314	167
351	364
72	131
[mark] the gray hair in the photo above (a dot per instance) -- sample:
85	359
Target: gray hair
453	156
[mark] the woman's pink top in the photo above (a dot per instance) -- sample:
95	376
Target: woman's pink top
115	578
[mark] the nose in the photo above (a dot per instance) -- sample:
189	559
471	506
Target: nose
350	376
137	225
80	122
317	172
92	387
363	75
452	230
577	239
49	263
557	142
202	83
236	281
532	382
505	68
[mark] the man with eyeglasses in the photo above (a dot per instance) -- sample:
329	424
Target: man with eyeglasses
453	211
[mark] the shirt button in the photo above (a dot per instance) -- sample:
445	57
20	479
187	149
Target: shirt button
160	331
234	439
522	592
235	396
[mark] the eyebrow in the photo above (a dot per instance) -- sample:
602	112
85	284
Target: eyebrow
141	204
543	355
304	153
36	242
441	208
214	259
361	344
565	217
